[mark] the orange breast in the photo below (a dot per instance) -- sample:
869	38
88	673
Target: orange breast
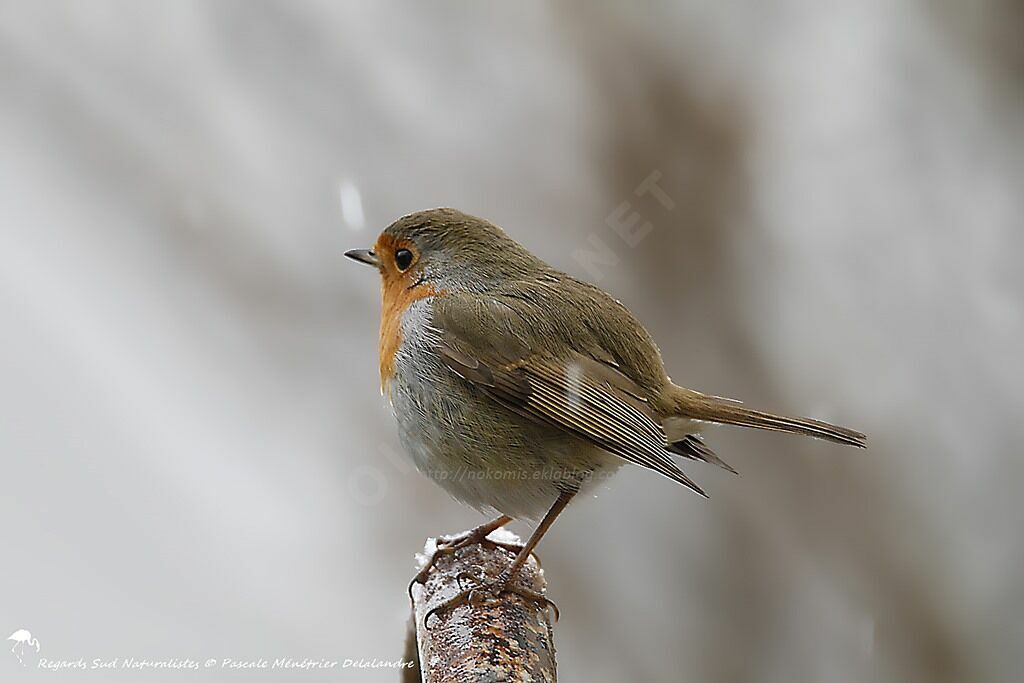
395	298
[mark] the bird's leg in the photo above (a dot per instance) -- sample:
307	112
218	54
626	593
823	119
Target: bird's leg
447	545
505	583
478	535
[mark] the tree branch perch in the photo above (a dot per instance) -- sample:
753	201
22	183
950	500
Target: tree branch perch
504	639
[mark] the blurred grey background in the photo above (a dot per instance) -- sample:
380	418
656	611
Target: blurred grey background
197	462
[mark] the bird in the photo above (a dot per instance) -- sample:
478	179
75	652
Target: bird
21	638
516	386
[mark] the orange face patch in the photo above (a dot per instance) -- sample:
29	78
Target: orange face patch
398	291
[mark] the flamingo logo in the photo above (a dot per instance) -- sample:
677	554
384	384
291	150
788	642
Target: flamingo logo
22	638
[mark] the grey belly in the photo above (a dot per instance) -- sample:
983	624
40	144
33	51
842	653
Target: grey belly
482	453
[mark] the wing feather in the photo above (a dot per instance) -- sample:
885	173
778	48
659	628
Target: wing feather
577	394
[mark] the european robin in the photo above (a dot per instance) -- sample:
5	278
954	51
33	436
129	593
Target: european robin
516	386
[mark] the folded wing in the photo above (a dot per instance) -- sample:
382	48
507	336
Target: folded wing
574	392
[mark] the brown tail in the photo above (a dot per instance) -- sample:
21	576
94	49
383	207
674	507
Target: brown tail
697	406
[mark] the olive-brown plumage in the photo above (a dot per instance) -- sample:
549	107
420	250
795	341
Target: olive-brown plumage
515	385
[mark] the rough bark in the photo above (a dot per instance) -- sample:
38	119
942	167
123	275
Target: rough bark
495	639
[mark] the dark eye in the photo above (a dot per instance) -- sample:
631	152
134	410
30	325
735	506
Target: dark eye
403	259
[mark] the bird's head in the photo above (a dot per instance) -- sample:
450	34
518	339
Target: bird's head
448	250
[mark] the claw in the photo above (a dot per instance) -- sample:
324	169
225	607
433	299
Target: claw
496	590
514	548
424	572
450	544
466	575
460	598
531	596
446	545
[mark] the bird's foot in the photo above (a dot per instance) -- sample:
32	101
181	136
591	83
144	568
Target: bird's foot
447	545
489	594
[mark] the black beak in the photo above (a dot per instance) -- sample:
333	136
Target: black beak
364	256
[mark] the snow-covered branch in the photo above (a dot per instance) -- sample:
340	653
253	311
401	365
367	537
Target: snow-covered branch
505	638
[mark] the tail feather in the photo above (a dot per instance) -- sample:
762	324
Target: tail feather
693	447
697	406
